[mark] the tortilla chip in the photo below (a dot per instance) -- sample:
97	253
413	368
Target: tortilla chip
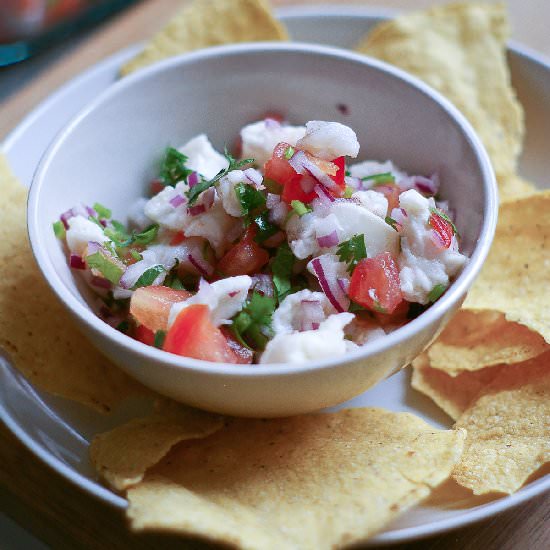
314	481
514	278
123	455
508	430
460	49
474	340
205	23
452	394
35	330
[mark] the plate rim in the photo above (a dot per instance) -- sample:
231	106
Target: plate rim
466	517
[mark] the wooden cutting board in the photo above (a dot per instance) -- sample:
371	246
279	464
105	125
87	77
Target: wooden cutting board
60	514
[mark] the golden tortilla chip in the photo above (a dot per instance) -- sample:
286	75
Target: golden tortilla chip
314	481
474	340
514	278
513	187
508	430
205	23
452	394
460	50
35	330
123	455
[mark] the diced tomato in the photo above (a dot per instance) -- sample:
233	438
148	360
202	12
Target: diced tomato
277	168
442	228
391	191
397	318
293	190
245	258
243	354
375	284
156	187
177	238
145	335
338	178
150	305
194	335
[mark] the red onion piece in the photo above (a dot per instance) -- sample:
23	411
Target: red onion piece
100	282
254	177
307	183
263	284
193	179
427	186
94	247
177	200
355	183
133	273
329	284
343	283
310	315
202	266
233	293
76	262
271	123
78	210
302	165
324	195
272	200
328	241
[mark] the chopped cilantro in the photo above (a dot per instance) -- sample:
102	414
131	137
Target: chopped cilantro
300	208
124	326
347	173
108	267
195	191
122	238
436	292
391	222
379	179
265	228
136	255
282	266
352	251
59	229
252	325
102	211
173	167
96	221
348	192
160	336
249	198
148	276
443	215
289	152
355	307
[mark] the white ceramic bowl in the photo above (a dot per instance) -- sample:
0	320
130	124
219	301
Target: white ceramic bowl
108	154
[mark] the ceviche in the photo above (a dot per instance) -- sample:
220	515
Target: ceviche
287	253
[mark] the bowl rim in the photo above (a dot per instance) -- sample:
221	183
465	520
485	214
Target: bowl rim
455	292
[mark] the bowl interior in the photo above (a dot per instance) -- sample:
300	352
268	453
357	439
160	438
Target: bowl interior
110	153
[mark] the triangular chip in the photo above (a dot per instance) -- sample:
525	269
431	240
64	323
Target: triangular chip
123	455
514	187
474	340
460	49
204	23
35	330
508	430
314	481
514	278
453	394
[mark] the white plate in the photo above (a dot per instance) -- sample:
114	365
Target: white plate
59	431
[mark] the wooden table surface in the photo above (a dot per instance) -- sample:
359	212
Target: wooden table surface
60	514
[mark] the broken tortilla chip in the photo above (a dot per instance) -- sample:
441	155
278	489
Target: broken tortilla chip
453	394
123	455
35	330
474	340
313	481
514	278
508	429
205	23
460	50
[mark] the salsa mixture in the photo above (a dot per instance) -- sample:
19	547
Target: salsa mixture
290	254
